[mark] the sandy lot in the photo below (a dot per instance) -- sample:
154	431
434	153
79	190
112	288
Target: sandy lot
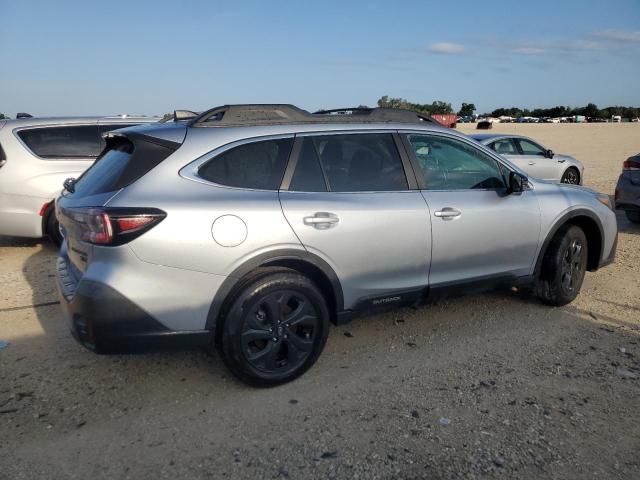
494	385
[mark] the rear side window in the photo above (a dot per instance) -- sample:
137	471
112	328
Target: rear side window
78	141
257	165
122	163
504	146
366	162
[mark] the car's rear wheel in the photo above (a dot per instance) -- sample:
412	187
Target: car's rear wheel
633	215
563	267
275	329
571	176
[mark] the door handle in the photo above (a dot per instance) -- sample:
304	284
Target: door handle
447	213
321	220
531	162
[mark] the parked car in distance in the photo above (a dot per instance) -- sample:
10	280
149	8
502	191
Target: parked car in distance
627	196
36	156
533	158
251	227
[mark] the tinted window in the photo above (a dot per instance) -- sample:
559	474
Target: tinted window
530	148
63	142
360	162
122	163
256	165
308	176
448	164
504	147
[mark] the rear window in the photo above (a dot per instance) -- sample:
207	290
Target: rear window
123	162
257	165
78	141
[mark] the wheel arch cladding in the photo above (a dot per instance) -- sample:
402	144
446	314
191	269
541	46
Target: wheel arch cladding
592	228
309	265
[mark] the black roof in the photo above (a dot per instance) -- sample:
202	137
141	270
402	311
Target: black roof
277	114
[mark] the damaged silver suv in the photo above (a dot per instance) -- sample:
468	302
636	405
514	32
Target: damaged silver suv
252	227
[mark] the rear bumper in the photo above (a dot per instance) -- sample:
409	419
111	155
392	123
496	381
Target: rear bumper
105	321
20	215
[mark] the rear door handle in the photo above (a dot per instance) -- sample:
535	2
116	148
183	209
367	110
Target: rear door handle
447	213
321	220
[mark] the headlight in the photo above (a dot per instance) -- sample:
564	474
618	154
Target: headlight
605	200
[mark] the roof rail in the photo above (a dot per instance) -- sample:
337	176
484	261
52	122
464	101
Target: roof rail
275	114
379	114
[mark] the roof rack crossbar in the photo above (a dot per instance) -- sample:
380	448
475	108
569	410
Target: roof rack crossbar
274	114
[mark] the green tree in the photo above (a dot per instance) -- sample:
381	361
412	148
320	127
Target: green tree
466	110
424	108
167	116
3	117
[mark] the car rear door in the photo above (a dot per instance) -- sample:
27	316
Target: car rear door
479	231
348	199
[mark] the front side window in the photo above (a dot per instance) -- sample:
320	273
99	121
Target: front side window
504	146
256	165
81	141
449	164
367	162
530	148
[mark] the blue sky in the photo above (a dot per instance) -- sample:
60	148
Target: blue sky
90	57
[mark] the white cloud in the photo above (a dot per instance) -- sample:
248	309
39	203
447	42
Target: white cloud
618	35
446	48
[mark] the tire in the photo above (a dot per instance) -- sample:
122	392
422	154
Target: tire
563	267
633	215
571	176
53	228
275	329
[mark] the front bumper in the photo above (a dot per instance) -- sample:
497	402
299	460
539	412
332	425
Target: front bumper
612	254
105	321
628	191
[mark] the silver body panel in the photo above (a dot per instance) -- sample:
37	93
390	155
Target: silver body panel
382	242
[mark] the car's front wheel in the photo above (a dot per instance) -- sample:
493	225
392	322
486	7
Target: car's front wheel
275	329
563	267
571	176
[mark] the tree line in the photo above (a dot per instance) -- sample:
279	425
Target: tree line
591	110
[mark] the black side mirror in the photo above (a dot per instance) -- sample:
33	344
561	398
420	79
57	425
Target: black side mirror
548	153
517	182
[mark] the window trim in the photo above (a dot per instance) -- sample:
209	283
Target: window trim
190	170
409	174
16	132
404	134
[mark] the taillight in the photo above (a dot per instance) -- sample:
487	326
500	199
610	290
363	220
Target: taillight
113	226
632	163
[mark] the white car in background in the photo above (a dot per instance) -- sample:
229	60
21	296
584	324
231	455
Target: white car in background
36	156
533	158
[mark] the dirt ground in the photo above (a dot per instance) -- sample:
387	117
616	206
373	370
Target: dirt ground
493	386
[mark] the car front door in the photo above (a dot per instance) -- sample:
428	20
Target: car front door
349	201
535	156
479	230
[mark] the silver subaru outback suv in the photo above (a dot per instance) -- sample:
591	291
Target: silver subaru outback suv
252	227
